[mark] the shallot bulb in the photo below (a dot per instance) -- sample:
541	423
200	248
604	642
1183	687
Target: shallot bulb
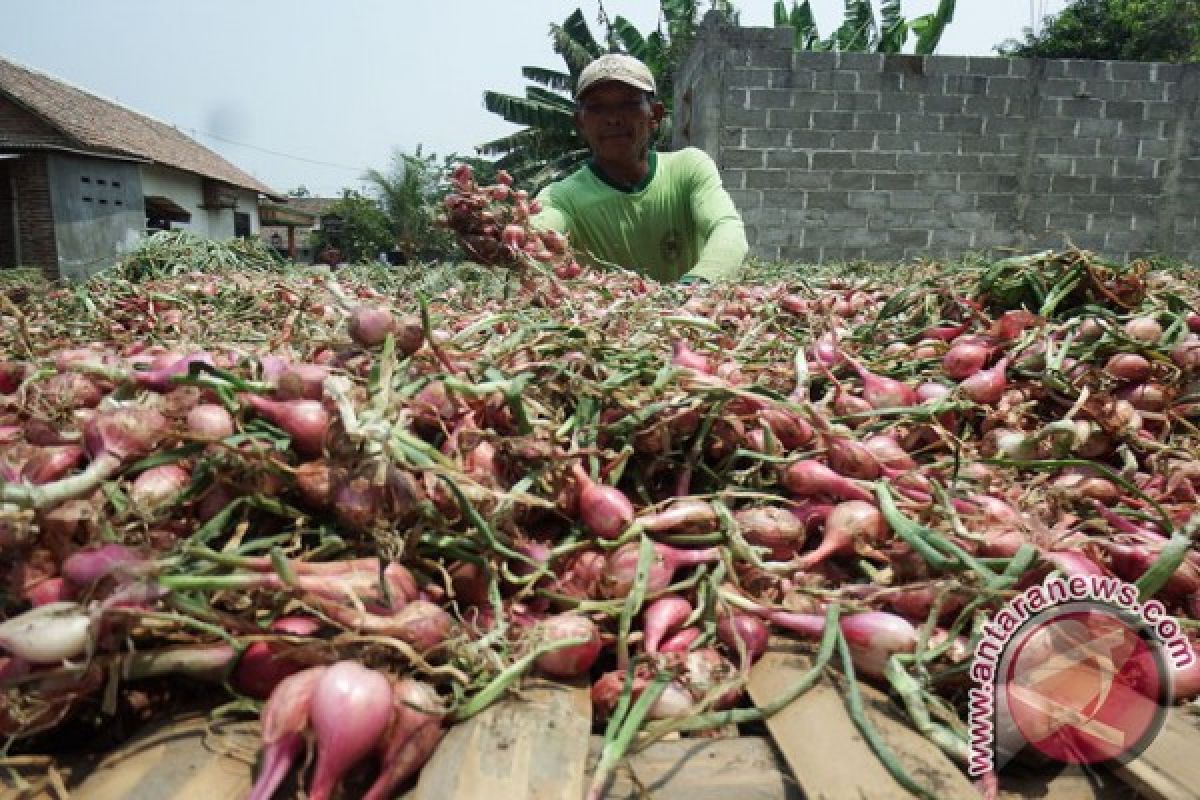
622	566
158	487
351	708
873	636
987	386
604	510
883	392
48	634
284	718
210	421
964	359
662	616
682	355
770	526
574	660
412	735
306	421
741	632
849	525
685	516
810	478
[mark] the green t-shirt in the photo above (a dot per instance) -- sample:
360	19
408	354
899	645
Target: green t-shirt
678	221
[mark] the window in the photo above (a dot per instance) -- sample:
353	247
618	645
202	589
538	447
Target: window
241	225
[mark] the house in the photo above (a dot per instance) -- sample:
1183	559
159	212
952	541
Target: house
82	179
287	228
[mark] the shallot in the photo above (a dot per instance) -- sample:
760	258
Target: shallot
350	710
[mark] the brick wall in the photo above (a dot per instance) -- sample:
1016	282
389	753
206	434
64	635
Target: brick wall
8	250
35	224
836	156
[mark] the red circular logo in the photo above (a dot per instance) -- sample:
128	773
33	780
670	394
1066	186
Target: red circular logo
1084	686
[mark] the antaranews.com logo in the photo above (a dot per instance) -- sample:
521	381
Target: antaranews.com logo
1075	667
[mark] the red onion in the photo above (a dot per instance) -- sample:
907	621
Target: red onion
51	590
412	735
513	236
158	487
680	641
604	510
743	632
852	459
1186	354
85	567
852	523
964	359
210	421
684	356
263	665
1144	329
883	392
301	382
1130	562
168	366
369	327
125	433
1071	562
351	707
49	464
987	386
284	720
422	624
873	636
622	566
770	526
809	478
1185	680
11	375
306	421
790	429
575	660
662	616
68	390
686	516
888	452
1129	367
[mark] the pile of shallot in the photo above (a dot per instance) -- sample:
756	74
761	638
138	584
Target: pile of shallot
372	511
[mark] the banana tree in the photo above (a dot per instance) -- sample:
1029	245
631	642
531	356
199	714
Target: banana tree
859	31
548	147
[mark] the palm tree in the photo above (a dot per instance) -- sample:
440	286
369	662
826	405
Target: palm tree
859	32
548	147
407	194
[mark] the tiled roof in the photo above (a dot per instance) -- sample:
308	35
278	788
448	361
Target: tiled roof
312	205
98	125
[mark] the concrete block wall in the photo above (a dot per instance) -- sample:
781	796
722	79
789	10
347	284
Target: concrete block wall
841	156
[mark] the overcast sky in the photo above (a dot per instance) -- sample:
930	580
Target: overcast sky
277	86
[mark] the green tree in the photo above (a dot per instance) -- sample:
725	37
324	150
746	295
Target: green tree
548	147
408	193
1126	30
363	230
859	31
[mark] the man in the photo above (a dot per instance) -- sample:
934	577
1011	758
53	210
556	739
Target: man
665	215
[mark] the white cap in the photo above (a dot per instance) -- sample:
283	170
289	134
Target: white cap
615	67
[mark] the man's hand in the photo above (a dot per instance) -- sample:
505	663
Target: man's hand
487	250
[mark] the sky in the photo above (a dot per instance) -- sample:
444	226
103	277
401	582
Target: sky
314	92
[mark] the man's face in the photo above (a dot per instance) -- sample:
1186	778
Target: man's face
617	121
